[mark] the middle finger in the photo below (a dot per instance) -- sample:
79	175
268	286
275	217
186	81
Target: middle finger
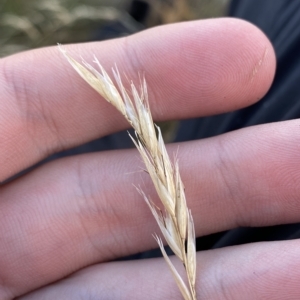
77	211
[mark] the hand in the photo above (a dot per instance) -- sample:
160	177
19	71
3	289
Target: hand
62	223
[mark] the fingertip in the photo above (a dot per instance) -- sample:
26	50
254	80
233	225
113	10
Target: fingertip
255	55
243	61
206	66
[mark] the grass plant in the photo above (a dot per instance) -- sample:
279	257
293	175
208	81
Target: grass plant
175	220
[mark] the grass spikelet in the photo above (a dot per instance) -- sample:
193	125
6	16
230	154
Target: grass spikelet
175	221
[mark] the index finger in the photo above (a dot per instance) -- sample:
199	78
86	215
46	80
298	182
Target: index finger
192	69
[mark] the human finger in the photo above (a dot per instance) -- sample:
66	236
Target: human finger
254	271
192	69
82	210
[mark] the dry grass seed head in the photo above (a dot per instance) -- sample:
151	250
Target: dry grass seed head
175	221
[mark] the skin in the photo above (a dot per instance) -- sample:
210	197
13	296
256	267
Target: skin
63	223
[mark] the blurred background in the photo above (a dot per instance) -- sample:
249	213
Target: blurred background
36	23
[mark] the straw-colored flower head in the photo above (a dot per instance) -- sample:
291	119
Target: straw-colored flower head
175	221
